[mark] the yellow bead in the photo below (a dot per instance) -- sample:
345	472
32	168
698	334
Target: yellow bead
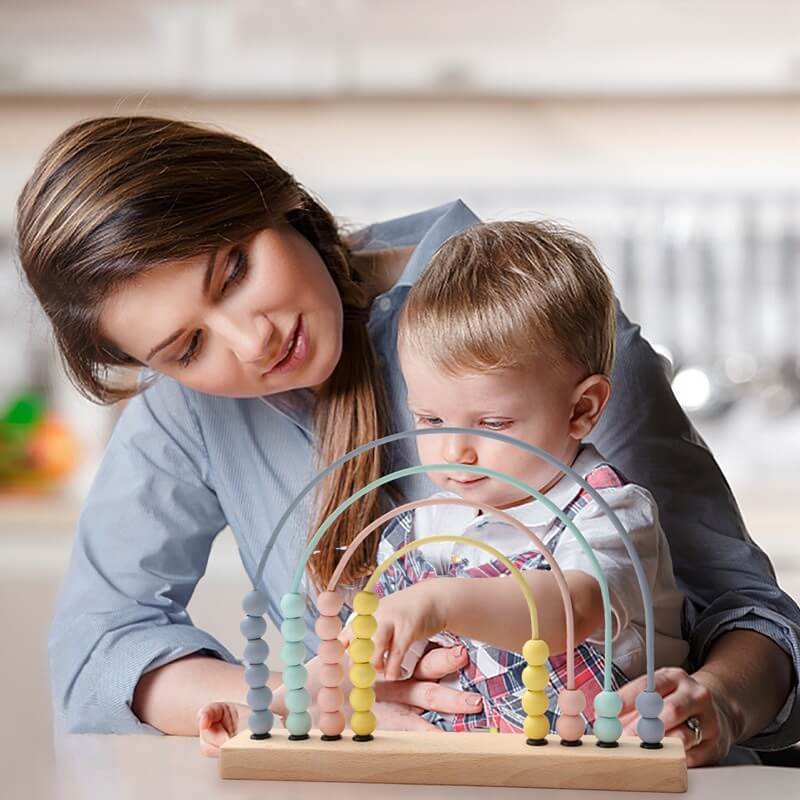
362	676
535	703
361	650
535	652
362	699
364	626
365	603
363	723
535	678
536	727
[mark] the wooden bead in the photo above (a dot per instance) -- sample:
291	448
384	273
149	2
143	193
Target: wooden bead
330	698
331	675
365	603
331	652
535	703
364	626
331	723
329	604
361	650
363	723
535	678
536	727
570	728
362	699
535	652
328	627
362	676
571	702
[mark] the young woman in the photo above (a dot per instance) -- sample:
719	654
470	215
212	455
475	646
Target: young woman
269	344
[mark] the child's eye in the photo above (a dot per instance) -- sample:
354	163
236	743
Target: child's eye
496	424
237	272
432	421
191	351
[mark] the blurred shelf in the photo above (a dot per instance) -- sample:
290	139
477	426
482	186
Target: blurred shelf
53	513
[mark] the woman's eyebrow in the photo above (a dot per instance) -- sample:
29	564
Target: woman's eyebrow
209	273
168	341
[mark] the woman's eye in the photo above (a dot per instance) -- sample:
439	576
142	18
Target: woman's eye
495	424
237	272
191	351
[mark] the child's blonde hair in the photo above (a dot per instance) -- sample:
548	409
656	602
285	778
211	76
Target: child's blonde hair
501	292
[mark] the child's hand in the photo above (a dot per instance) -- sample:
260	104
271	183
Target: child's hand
412	614
218	722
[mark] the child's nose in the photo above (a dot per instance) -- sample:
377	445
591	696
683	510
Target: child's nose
459	450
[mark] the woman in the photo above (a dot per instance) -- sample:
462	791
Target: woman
190	252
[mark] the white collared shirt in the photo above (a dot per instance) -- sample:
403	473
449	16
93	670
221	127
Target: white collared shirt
636	510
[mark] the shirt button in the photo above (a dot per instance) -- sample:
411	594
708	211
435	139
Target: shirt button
384	304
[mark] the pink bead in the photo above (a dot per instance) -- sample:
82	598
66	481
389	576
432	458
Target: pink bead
328	627
331	652
330	699
331	675
331	723
329	604
569	728
571	702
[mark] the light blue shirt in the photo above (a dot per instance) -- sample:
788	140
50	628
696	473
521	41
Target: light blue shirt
181	465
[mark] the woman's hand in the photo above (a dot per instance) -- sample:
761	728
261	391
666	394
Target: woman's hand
218	722
686	696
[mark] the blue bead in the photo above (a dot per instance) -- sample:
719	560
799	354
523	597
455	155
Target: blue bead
607	704
298	724
650	730
260	721
298	700
293	630
259	699
256	675
255	603
294	677
293	653
649	704
607	729
293	605
253	627
256	652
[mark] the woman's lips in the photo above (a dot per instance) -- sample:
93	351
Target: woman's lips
295	350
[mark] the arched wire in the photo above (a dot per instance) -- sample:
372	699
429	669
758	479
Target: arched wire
546	501
644	587
508	519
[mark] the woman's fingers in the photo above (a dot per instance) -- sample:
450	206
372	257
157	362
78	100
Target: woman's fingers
216	725
430	696
398	717
397	649
441	661
383	639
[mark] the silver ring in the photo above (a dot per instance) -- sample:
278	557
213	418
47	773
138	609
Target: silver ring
693	724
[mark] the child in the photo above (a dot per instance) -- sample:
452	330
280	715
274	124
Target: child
524	348
537	368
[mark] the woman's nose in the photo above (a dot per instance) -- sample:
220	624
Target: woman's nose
248	337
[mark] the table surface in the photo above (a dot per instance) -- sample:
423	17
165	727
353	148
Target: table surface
145	767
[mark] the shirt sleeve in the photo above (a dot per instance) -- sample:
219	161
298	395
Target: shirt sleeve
142	543
728	579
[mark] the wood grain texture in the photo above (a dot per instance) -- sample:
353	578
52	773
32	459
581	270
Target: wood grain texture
467	759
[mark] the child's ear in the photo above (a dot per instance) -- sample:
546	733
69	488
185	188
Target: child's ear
589	399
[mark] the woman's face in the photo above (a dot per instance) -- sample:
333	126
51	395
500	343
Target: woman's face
253	319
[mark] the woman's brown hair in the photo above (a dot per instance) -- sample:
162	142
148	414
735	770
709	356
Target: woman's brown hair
113	197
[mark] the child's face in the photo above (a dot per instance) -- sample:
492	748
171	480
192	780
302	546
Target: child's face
261	317
547	406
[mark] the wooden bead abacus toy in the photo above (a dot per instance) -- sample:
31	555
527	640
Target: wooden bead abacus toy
608	761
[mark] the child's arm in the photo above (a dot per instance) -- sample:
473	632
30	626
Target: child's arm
491	610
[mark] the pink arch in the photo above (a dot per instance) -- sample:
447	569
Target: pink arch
453	501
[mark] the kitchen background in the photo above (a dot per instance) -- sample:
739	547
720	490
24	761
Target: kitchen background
668	132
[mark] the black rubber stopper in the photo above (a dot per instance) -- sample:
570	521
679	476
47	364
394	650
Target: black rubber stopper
293	738
326	738
608	745
360	738
571	743
651	745
259	736
536	742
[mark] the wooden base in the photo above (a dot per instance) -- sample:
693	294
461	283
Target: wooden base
467	759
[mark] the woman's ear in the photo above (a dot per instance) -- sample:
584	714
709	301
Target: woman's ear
589	399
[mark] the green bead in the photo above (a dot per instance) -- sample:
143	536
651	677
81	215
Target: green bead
298	724
298	700
293	653
607	704
607	729
293	630
293	605
294	677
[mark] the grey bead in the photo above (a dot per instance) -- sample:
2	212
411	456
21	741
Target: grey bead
650	730
260	721
256	675
649	704
253	627
256	652
255	603
259	699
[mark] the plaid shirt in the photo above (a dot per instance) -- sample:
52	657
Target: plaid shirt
491	672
